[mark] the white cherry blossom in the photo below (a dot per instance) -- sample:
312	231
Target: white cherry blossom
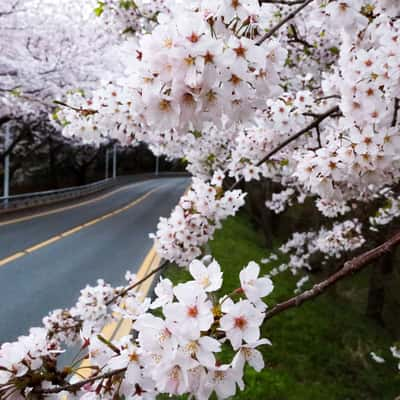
209	277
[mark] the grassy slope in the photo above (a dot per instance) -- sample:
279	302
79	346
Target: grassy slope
321	350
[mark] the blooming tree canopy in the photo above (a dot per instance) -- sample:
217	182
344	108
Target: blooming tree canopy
302	93
48	48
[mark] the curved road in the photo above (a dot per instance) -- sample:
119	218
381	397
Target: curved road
46	259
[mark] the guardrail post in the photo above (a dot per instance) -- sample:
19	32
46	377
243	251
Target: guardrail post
6	181
115	161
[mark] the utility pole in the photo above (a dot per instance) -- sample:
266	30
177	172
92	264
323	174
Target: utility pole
115	161
6	182
157	165
107	157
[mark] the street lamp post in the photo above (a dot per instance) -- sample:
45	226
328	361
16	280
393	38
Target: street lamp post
6	181
115	161
157	165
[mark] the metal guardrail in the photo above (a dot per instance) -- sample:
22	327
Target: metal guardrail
29	200
25	200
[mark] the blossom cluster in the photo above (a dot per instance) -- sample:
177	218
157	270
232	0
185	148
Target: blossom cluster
310	104
331	243
283	199
128	16
198	67
34	352
332	208
395	353
193	221
94	117
89	315
362	150
175	352
203	69
389	211
204	87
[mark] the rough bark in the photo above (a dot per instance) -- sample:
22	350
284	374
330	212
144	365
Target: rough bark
379	278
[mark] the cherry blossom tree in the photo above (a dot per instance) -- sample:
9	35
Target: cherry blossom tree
47	48
303	94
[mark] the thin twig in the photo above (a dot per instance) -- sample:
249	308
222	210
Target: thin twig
349	268
318	136
396	111
84	111
76	386
283	22
134	285
297	38
332	96
123	292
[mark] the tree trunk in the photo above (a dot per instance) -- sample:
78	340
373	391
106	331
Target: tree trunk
257	194
380	275
82	175
52	165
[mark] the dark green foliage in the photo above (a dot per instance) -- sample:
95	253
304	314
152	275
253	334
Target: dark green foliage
321	350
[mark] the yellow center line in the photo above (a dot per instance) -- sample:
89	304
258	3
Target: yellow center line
60	236
66	208
121	327
43	244
125	326
11	258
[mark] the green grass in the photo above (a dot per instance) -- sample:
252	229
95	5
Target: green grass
320	350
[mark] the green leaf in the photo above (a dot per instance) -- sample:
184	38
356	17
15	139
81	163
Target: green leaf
129	29
388	204
99	9
78	90
16	92
334	50
196	134
211	159
127	4
54	115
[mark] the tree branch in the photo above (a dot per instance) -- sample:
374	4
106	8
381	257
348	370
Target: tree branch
84	111
5	119
313	125
292	138
283	22
350	267
76	386
318	136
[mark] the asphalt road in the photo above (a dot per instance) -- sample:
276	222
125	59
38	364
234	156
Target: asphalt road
51	268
